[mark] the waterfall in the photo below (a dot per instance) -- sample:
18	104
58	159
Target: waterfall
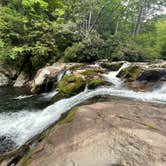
112	76
62	73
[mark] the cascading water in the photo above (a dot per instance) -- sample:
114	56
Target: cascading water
112	76
62	73
23	125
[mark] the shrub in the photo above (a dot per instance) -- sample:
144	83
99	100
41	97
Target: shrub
88	50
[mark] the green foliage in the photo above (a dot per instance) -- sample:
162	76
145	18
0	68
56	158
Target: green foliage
163	50
29	39
36	32
88	50
129	49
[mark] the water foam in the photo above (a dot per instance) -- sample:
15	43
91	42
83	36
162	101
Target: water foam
49	95
23	97
112	76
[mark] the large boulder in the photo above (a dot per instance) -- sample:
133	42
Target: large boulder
116	133
130	73
46	77
4	80
94	78
70	85
6	75
21	80
153	75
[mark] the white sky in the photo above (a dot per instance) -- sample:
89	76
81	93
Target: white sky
163	11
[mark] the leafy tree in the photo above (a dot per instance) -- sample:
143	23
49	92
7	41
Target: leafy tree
36	32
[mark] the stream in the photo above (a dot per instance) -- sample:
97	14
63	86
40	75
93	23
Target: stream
22	115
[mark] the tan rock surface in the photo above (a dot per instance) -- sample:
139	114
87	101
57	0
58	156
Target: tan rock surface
115	133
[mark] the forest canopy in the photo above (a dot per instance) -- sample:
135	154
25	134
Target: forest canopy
36	32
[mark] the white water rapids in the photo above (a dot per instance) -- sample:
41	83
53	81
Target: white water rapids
23	125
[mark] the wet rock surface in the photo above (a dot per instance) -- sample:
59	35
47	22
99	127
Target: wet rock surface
153	75
113	66
119	132
21	80
6	145
6	75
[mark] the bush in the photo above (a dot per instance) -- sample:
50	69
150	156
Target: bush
120	48
163	51
88	50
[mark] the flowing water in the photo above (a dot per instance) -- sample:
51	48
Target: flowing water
20	123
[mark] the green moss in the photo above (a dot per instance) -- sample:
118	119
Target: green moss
130	73
112	66
90	72
68	117
92	84
71	85
94	78
163	66
151	127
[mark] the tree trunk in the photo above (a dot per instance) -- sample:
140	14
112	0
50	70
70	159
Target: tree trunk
116	27
139	18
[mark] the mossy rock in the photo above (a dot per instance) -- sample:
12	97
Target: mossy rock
130	73
112	66
92	84
70	85
94	78
92	72
164	66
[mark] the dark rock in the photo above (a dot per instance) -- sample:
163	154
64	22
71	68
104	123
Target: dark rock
153	75
7	75
6	144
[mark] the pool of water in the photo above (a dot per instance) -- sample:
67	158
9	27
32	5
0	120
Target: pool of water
18	99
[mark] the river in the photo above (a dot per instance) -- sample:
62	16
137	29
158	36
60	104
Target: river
22	115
